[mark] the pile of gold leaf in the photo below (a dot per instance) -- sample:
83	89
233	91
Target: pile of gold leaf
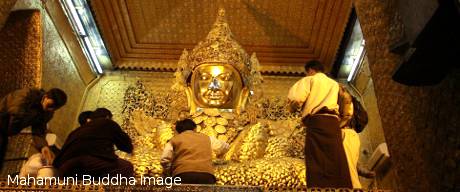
287	138
148	146
297	142
278	146
269	172
164	134
146	156
250	144
224	126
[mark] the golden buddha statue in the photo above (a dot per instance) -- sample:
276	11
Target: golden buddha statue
220	71
216	79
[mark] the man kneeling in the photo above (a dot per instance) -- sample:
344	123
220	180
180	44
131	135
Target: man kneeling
89	149
188	154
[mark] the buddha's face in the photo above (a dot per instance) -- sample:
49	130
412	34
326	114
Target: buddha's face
215	85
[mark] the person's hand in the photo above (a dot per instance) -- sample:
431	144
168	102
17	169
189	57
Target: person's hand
369	175
48	154
364	172
293	106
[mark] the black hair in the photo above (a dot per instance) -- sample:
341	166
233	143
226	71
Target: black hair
184	125
55	149
84	116
58	96
101	113
315	65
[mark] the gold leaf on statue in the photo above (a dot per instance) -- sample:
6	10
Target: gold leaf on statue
222	121
198	113
209	131
228	115
212	112
198	119
220	129
222	138
210	121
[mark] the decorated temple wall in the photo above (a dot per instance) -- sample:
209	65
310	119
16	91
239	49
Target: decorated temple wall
20	66
420	123
5	8
58	67
33	54
373	134
278	86
21	51
110	89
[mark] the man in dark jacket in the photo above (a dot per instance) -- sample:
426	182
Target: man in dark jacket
29	107
89	149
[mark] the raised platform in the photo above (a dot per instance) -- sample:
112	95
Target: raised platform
99	188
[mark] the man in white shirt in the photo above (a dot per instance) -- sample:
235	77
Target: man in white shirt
188	154
316	96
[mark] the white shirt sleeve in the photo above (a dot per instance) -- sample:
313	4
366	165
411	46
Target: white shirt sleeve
167	156
33	164
219	147
300	90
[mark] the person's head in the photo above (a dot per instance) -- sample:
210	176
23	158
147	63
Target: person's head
184	125
314	66
53	99
84	117
101	113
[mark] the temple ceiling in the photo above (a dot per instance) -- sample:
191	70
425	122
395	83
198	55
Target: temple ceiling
151	35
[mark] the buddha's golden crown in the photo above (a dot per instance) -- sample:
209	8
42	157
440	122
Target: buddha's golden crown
219	47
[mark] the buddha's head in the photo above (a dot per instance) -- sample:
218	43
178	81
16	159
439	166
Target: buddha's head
217	72
216	85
